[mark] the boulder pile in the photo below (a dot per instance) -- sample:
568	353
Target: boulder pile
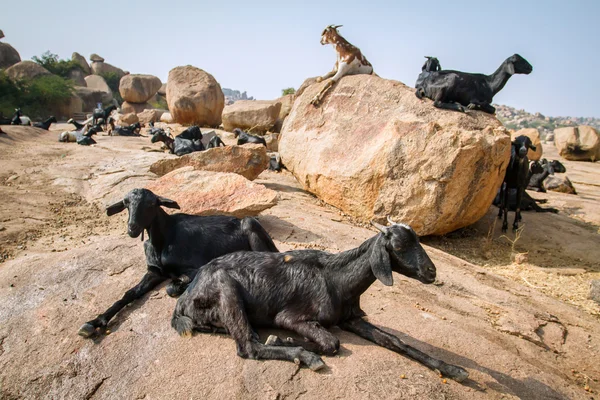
136	90
581	143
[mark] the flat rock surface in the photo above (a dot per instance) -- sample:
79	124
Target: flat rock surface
64	261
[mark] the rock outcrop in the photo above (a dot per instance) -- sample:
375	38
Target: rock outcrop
194	97
534	135
150	115
137	108
91	97
8	56
257	116
374	150
96	82
249	161
136	88
128	119
580	143
559	183
286	106
214	193
79	59
101	68
26	70
78	77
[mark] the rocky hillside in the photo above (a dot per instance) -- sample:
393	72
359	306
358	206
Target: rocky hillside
517	119
231	96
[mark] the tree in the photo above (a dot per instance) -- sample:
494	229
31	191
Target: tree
56	66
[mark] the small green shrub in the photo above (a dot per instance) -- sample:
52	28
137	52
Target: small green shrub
113	80
287	91
56	66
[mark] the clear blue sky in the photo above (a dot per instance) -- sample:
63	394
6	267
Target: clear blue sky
264	46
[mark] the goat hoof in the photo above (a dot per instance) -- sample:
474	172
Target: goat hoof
316	365
87	330
273	340
176	289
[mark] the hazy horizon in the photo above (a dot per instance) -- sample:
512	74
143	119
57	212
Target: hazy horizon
268	46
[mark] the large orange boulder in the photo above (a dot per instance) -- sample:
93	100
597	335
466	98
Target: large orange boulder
251	115
194	97
581	143
136	88
374	150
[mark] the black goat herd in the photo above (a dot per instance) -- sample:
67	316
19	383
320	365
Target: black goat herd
232	279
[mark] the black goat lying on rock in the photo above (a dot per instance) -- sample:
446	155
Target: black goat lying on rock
178	245
244	137
305	291
118	130
186	142
455	90
45	124
86	139
77	125
539	171
516	177
215	141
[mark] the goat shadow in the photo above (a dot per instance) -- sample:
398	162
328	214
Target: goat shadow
284	231
122	316
527	388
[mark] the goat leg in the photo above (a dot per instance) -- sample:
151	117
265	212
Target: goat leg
258	237
178	285
148	282
449	106
320	339
255	350
373	334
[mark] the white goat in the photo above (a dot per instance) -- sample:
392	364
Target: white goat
350	60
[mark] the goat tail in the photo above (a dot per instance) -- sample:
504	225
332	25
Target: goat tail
182	324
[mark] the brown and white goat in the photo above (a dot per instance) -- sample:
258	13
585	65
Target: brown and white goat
350	60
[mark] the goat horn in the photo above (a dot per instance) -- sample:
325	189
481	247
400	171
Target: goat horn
390	220
379	226
337	26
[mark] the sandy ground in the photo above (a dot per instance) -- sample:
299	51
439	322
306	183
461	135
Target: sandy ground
521	330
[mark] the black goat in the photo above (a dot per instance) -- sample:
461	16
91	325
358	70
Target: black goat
102	114
539	171
275	163
46	124
455	90
77	125
16	119
215	141
431	65
186	142
178	245
130	130
244	137
86	139
305	291
516	177
4	120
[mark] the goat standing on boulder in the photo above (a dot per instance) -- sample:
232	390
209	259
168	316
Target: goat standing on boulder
178	245
516	177
305	291
350	61
455	90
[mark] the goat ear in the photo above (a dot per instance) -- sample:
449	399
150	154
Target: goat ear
380	262
532	147
115	208
511	68
163	201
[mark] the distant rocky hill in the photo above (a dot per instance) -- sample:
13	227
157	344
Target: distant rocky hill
231	96
517	119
